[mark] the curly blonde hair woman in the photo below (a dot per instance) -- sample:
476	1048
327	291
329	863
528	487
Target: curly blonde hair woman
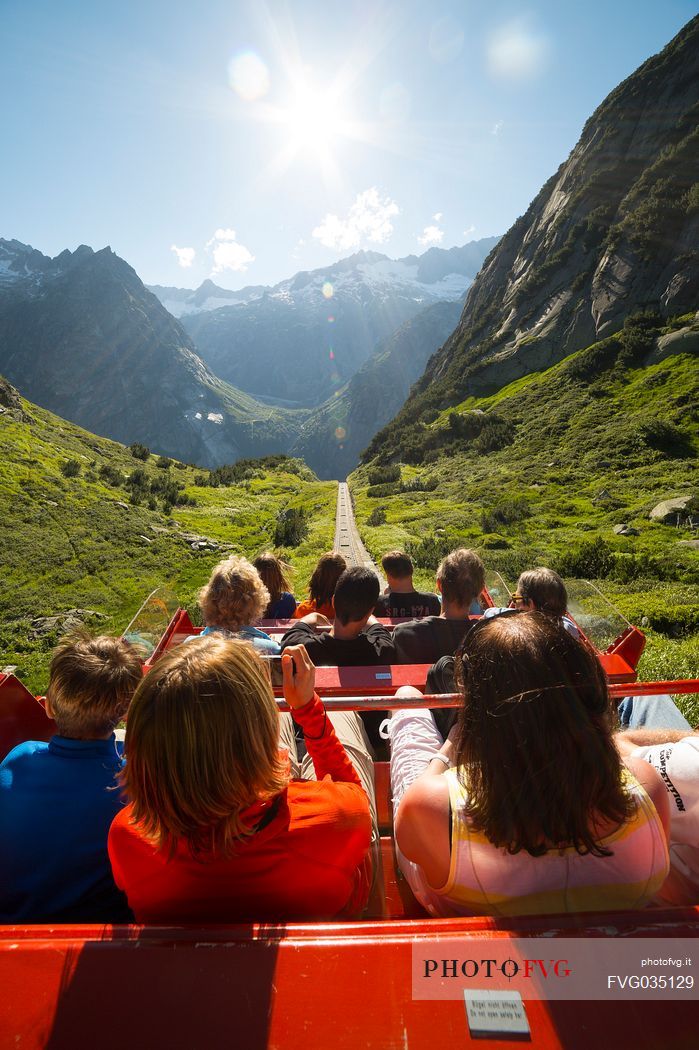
234	597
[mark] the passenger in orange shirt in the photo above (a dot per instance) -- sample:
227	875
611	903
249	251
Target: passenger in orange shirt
327	572
216	829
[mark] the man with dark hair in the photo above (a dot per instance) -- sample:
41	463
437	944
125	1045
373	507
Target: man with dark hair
460	579
401	598
355	639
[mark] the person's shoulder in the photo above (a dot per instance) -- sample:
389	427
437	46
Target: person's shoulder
412	625
423	808
430	598
299	630
27	749
652	783
284	606
377	630
318	800
122	829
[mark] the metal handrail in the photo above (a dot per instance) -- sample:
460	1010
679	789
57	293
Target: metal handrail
434	701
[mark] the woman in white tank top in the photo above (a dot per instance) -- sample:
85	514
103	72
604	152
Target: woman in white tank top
534	811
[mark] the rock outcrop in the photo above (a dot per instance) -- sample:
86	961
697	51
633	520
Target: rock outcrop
673	511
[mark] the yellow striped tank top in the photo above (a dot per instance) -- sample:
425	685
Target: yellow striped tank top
486	880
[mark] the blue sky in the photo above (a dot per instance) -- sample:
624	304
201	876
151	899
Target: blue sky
247	140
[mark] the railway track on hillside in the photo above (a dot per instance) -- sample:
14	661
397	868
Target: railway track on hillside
348	542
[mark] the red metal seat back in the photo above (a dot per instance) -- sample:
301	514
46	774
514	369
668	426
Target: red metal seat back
22	716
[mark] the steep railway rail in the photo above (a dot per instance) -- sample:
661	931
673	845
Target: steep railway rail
348	542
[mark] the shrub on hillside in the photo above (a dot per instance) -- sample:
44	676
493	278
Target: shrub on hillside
637	337
419	485
497	433
384	475
592	559
381	491
138	479
139	451
428	552
111	475
291	527
666	438
71	468
506	512
163	462
377	516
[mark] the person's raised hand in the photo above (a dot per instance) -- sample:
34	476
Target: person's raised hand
298	676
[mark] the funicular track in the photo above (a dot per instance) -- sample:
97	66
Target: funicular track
348	542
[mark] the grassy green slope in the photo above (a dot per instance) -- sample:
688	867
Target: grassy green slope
596	441
65	542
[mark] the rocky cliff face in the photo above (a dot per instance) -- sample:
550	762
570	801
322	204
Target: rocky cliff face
615	230
83	337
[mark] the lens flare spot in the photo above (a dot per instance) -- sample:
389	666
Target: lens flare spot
340	433
328	290
248	76
331	319
332	355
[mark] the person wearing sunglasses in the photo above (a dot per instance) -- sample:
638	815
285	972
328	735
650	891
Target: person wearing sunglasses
526	808
542	590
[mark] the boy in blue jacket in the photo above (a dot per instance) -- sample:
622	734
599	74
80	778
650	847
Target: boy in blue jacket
57	800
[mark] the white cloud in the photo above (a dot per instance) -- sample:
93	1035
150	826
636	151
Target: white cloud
517	52
228	253
467	233
185	256
369	219
430	236
496	128
438	216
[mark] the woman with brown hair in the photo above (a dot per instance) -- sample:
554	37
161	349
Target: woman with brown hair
327	572
276	576
216	829
527	807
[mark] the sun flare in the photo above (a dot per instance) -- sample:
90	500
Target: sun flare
314	119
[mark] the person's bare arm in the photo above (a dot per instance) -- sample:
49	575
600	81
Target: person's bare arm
650	737
315	619
448	750
422	827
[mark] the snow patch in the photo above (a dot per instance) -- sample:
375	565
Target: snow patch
215	417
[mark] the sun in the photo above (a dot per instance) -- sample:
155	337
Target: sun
315	116
312	119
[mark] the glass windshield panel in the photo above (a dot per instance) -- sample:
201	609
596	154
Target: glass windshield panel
149	624
599	620
497	589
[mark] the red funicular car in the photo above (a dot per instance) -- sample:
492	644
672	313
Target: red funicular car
340	985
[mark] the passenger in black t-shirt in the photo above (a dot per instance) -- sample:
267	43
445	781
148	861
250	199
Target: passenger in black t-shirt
355	639
401	598
460	579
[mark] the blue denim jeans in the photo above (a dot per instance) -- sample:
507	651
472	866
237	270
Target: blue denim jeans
651	712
